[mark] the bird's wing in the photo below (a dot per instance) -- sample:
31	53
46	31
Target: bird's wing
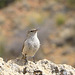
23	47
23	57
23	43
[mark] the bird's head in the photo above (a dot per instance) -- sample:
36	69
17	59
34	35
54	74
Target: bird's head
32	32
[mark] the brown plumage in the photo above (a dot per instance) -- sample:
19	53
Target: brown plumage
31	44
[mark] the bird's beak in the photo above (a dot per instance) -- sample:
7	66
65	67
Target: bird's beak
36	30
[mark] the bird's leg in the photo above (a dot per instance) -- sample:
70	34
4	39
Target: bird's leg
33	59
25	58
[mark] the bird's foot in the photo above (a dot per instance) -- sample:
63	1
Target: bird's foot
33	59
25	59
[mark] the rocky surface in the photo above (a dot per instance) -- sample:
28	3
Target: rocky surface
42	67
56	24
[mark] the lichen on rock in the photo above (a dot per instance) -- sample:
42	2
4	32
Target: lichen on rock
41	67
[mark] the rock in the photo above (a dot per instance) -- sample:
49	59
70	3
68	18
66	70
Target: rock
41	67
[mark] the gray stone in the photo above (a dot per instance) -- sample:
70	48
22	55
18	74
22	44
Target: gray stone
41	67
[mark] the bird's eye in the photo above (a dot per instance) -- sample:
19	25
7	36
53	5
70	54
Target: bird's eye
31	31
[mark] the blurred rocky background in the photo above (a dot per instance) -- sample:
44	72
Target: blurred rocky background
55	20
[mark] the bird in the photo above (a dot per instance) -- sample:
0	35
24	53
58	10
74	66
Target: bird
31	45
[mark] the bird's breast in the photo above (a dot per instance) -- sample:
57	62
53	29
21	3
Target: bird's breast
31	46
33	43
